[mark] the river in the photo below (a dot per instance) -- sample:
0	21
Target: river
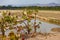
44	27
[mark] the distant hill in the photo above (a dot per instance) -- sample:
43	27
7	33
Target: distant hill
50	4
37	4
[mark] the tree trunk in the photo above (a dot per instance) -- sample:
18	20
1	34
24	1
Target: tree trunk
27	26
2	30
35	23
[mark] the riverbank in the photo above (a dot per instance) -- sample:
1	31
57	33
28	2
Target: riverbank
54	36
50	36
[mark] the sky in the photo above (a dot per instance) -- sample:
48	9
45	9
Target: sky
21	2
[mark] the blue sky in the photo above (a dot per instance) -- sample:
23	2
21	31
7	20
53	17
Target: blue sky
21	2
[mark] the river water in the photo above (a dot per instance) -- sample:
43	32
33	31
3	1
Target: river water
44	26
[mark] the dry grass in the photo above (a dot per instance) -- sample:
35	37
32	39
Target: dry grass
43	13
49	14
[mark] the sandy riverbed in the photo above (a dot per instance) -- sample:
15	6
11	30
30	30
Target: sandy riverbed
55	36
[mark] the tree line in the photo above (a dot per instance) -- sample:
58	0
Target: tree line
31	7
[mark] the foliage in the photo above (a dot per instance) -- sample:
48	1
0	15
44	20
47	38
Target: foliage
5	20
32	7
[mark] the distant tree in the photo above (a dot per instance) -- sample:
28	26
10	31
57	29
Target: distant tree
9	6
